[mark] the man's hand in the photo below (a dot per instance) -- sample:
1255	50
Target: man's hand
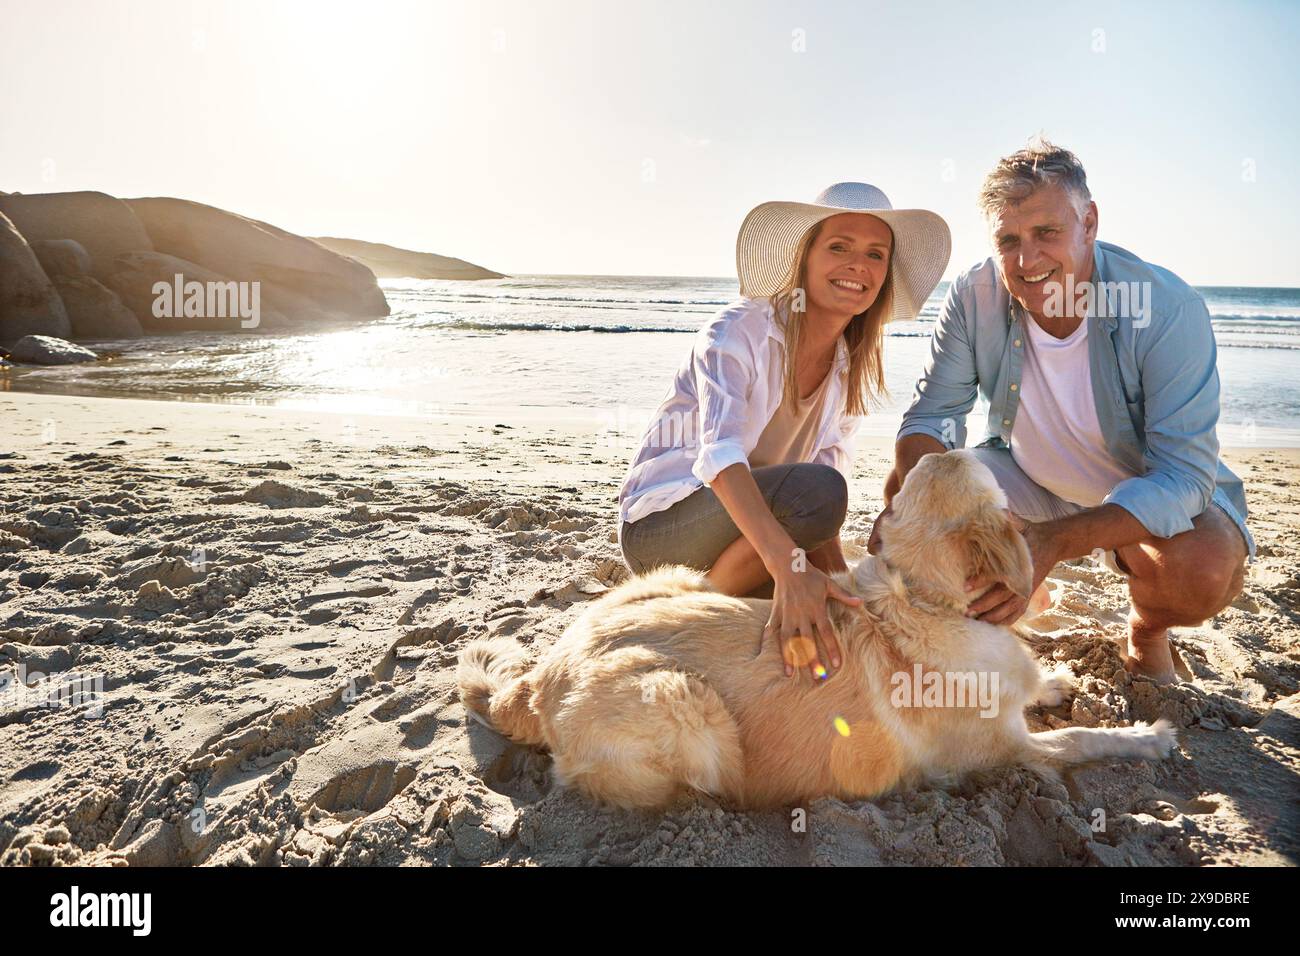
999	604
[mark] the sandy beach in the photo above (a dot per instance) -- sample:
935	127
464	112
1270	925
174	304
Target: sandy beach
263	608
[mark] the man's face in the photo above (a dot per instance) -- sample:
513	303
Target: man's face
1041	240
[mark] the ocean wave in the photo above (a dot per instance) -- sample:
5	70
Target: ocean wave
1234	318
1264	346
477	325
474	325
565	300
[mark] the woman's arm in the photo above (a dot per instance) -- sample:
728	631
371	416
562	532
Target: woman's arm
800	590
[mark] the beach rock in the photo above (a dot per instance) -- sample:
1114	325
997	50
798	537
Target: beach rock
61	257
29	303
299	277
102	224
96	312
132	277
390	262
46	350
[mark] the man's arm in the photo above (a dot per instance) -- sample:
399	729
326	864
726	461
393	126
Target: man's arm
947	388
1104	528
945	394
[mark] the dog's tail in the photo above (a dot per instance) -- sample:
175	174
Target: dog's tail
493	678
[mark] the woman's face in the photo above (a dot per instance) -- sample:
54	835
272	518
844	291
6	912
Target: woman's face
848	262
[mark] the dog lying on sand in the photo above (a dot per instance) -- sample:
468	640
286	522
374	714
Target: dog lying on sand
662	685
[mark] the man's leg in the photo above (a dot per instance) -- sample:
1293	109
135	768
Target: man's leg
1180	582
1026	499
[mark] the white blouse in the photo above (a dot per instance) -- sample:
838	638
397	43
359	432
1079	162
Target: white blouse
720	401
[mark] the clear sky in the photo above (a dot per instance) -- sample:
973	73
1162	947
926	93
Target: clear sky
621	136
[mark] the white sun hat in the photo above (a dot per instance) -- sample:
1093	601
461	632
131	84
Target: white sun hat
770	235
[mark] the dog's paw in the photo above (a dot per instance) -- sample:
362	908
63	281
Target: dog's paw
1057	688
1158	740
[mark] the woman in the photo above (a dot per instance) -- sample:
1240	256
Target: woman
743	471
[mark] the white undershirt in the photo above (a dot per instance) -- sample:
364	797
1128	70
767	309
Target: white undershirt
1056	439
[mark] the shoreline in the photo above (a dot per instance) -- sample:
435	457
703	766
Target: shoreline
611	429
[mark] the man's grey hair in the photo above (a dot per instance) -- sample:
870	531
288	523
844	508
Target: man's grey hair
1040	163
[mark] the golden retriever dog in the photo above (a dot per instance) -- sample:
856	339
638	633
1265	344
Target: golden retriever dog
663	685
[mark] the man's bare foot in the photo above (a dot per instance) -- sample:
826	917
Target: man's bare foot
1148	653
1039	601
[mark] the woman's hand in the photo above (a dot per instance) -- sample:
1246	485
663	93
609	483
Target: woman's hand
800	623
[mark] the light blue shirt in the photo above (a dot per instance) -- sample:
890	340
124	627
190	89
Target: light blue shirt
1154	381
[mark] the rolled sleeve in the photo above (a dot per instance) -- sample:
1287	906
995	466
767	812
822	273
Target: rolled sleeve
714	458
724	368
946	391
1180	383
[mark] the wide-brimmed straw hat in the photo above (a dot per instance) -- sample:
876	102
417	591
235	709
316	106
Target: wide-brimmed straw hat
770	235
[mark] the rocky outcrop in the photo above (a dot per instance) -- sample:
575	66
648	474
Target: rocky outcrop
297	274
86	264
390	262
29	304
102	224
96	312
48	350
61	257
134	276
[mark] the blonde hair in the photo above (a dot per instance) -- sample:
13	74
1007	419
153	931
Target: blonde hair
864	335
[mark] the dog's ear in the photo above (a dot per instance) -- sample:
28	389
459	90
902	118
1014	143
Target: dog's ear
998	552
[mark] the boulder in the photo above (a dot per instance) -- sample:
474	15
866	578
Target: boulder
95	311
48	350
29	304
103	225
299	277
390	262
134	275
61	257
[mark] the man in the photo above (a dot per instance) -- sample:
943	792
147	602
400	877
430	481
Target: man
1099	370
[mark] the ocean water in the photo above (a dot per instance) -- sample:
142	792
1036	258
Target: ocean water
605	344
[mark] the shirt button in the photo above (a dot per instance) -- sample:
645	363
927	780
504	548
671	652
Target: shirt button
1016	343
1006	421
1014	386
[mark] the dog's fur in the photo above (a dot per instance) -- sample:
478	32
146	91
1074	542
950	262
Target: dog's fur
661	685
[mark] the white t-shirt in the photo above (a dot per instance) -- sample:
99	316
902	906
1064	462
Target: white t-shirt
1056	439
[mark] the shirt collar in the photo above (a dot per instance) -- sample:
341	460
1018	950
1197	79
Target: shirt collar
1097	304
1100	304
